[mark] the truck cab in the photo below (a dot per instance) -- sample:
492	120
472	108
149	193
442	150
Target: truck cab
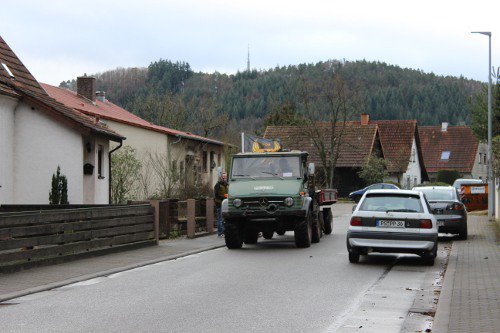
268	193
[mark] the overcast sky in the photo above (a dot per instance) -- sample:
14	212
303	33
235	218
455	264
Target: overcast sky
62	39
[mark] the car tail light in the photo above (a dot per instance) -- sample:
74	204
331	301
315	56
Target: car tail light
356	221
457	206
426	224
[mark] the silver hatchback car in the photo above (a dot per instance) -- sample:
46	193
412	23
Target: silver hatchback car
393	221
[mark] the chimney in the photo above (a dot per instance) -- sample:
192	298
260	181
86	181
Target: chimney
85	86
444	127
365	119
101	96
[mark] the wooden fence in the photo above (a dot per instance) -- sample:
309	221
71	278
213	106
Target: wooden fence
190	217
28	238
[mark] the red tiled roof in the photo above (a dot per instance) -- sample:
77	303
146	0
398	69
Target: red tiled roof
396	137
358	141
23	84
110	111
458	140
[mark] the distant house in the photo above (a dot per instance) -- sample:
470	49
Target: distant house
196	159
359	141
453	148
38	134
402	150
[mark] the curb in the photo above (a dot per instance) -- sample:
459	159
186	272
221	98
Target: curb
442	317
85	277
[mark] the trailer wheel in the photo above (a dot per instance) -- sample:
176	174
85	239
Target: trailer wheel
251	236
327	221
268	234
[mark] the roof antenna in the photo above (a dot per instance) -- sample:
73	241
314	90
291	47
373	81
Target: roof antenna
248	59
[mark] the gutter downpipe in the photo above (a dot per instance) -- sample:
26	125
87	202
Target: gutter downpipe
109	159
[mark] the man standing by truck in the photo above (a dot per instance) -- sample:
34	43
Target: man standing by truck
220	191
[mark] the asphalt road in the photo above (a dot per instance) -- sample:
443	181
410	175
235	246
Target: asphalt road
268	287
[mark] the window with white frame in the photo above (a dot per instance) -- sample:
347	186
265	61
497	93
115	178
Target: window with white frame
445	155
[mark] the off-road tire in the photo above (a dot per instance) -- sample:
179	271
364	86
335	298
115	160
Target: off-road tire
327	221
316	230
268	234
303	233
232	236
251	236
462	234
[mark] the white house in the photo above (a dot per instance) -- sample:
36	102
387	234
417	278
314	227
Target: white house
196	158
38	134
402	150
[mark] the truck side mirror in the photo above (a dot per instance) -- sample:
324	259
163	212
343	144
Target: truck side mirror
310	169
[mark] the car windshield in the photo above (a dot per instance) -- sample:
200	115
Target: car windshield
266	166
391	203
441	194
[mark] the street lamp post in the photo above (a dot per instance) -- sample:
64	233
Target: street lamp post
491	183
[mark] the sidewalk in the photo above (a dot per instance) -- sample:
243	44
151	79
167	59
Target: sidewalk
470	297
13	285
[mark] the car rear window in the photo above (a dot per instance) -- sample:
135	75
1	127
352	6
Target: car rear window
392	203
439	194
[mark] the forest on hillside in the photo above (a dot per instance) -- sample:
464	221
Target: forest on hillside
171	94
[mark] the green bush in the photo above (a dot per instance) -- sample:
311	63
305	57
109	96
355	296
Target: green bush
433	184
447	176
58	194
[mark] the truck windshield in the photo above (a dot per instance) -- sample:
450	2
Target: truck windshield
265	167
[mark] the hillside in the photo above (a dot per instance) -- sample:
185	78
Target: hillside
171	94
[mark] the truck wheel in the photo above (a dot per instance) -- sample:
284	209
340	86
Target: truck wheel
232	236
303	233
327	221
316	231
251	236
268	234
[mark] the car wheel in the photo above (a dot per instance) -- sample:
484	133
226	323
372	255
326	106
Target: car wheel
353	257
327	221
462	234
429	257
268	234
232	236
280	232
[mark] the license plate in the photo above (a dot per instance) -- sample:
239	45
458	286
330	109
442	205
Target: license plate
390	224
440	223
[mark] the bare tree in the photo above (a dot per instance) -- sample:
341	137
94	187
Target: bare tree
166	171
341	102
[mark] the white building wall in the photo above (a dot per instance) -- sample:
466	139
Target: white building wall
7	107
40	145
413	175
480	168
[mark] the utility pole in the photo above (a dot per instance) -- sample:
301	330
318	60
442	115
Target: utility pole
491	181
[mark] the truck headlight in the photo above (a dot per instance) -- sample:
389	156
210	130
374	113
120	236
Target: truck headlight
237	203
288	202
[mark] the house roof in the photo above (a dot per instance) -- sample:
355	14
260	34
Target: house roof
110	111
396	137
23	85
458	140
358	142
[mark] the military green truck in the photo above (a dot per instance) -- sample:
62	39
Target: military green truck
275	192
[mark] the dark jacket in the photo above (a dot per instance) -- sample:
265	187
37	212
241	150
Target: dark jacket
220	190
